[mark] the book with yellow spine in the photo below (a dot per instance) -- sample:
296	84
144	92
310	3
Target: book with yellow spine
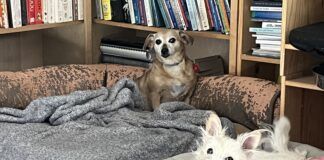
106	8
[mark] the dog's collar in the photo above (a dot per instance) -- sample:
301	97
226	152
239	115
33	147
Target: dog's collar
174	64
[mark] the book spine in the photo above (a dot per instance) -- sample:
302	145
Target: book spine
80	10
197	15
38	12
182	14
265	30
266	15
164	16
142	12
148	12
217	27
98	9
165	8
203	14
271	25
185	13
267	3
1	15
177	13
219	15
75	9
192	16
31	11
105	58
228	9
224	16
131	11
45	10
51	11
209	14
106	10
267	9
157	17
24	17
171	13
15	8
137	12
126	53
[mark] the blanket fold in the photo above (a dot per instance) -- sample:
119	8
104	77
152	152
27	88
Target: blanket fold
108	123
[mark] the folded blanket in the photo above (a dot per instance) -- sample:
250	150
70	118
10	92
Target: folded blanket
101	124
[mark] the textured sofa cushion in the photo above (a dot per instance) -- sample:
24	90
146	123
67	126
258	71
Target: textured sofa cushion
117	72
18	89
244	100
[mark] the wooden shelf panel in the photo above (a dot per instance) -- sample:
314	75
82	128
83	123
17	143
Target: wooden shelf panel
304	82
37	27
291	47
260	59
206	34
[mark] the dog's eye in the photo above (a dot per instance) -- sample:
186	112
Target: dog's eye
209	151
229	158
158	42
172	40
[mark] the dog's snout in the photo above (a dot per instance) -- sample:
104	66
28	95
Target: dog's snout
165	52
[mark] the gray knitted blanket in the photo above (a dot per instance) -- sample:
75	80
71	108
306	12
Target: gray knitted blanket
105	124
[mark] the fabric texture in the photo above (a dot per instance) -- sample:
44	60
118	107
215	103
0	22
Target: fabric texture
100	124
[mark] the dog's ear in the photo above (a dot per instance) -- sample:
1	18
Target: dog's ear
185	38
250	140
149	42
214	125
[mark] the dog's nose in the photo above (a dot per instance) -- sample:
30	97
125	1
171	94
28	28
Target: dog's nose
165	52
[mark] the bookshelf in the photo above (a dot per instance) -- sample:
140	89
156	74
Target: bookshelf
301	100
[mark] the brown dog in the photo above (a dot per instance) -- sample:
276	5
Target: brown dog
171	76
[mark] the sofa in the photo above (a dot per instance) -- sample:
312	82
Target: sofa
246	101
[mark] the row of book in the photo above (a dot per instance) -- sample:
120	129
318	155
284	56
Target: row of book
201	15
17	13
268	36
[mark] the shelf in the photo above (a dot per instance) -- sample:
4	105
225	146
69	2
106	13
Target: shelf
304	82
37	27
291	47
206	34
260	59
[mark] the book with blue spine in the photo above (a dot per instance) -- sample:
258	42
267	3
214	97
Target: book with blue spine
228	9
192	16
266	15
222	27
157	15
136	12
172	15
214	16
165	8
164	16
186	12
197	15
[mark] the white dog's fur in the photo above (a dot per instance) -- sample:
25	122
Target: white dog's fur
217	146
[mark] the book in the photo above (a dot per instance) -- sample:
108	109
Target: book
209	14
51	11
192	16
203	14
270	47
31	11
267	9
223	15
219	18
210	66
164	16
136	12
215	19
142	12
14	13
172	14
158	20
75	9
80	10
108	58
265	20
177	12
265	53
131	11
106	9
266	37
117	12
24	17
266	30
98	9
58	11
272	42
166	11
185	13
126	52
38	12
228	9
268	3
69	14
266	15
196	14
148	12
271	25
4	21
45	10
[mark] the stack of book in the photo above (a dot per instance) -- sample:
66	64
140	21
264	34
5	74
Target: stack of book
268	36
124	52
17	13
193	15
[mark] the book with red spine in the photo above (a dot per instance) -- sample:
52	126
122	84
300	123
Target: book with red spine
38	12
31	11
1	15
209	14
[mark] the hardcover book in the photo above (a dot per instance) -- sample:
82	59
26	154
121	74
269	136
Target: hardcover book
184	9
14	13
131	11
106	9
157	15
24	17
137	12
268	3
223	15
148	12
192	16
98	9
163	13
203	14
38	12
4	21
166	11
266	15
172	14
177	14
31	11
108	58
80	10
117	12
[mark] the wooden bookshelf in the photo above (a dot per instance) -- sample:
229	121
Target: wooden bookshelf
252	58
37	27
307	82
205	34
